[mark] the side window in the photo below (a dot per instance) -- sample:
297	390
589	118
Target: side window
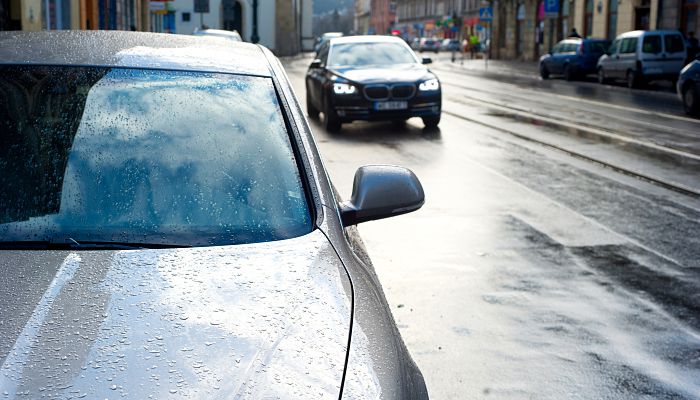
673	43
651	44
557	48
323	54
614	46
628	45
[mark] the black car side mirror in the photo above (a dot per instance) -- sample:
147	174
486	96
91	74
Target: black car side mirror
427	60
381	191
316	63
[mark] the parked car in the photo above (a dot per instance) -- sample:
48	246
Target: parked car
415	43
429	45
324	38
231	35
449	45
573	58
688	87
168	231
371	78
642	56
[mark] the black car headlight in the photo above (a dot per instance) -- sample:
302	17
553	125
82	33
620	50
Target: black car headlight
344	88
429	85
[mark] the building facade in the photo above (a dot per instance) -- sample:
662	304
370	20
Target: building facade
284	26
363	11
382	16
34	15
439	18
520	29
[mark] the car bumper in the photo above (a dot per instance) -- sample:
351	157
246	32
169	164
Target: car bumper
359	108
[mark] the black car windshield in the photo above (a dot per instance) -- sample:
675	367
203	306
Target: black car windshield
369	54
145	156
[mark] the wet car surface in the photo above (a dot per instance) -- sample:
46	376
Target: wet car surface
151	252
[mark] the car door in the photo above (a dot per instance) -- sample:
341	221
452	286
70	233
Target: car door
607	63
560	58
627	59
675	52
652	55
550	62
568	54
316	77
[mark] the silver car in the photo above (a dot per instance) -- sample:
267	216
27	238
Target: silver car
167	230
642	56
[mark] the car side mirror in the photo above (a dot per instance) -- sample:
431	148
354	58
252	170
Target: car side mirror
316	63
381	191
426	60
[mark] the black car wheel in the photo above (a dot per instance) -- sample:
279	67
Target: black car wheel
544	72
632	79
568	73
431	122
602	79
310	109
331	121
691	102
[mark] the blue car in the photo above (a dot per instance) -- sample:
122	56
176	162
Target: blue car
573	58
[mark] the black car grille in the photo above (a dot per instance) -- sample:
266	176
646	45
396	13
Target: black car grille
386	92
403	91
377	92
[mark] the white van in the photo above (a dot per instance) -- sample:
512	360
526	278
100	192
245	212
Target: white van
642	56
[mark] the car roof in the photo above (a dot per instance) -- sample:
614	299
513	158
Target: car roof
641	33
220	32
134	50
367	39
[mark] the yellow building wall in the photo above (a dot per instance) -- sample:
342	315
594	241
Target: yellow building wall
31	15
600	19
653	14
625	16
75	14
579	15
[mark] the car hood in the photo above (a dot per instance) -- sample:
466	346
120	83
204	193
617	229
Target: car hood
264	320
390	74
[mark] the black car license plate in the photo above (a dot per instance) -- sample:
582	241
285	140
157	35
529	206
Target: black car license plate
390	105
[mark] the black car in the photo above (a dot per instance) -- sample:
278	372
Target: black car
371	78
168	231
688	87
573	58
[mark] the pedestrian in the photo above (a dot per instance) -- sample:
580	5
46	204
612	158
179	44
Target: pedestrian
693	46
574	34
473	45
464	48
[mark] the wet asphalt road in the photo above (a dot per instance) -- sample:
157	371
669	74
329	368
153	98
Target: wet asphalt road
530	273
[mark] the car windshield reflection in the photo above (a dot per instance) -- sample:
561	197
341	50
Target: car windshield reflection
146	156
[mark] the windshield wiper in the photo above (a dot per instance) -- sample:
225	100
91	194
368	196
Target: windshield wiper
72	244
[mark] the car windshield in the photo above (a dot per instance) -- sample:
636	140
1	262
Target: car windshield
146	157
368	54
598	47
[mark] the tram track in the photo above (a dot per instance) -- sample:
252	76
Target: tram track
661	182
